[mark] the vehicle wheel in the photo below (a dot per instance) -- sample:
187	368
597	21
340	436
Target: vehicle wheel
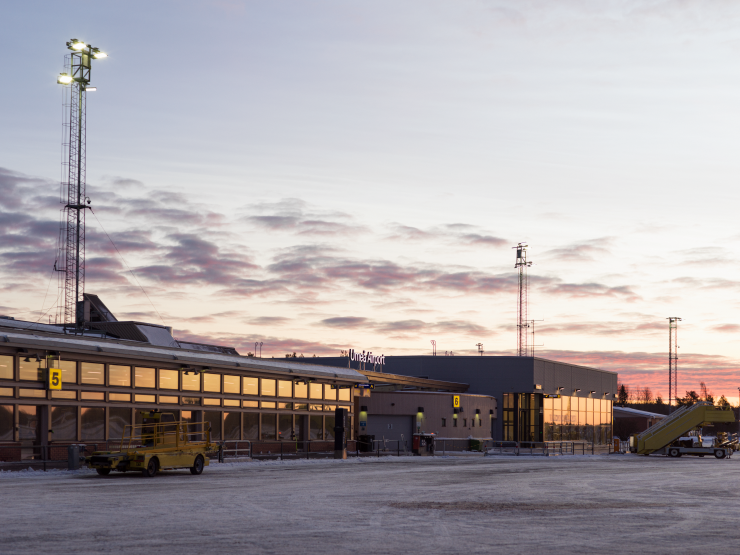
673	452
106	471
151	468
198	465
701	455
719	453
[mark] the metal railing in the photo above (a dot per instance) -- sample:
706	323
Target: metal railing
165	434
548	448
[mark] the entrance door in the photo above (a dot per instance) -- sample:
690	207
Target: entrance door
29	428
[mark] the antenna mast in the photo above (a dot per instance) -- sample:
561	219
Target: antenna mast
521	309
672	360
72	252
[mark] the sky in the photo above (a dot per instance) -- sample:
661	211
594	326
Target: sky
321	175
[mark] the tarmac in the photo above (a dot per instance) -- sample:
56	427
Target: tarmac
496	504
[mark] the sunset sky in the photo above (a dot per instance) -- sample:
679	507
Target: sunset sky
326	175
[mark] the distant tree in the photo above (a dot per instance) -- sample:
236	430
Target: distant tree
250	354
623	395
645	395
691	398
723	402
659	400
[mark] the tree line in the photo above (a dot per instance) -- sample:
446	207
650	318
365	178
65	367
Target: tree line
644	396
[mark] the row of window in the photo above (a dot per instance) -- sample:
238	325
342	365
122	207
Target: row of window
224	425
74	395
474	422
91	373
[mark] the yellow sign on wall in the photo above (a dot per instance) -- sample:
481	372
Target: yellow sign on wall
55	378
456	401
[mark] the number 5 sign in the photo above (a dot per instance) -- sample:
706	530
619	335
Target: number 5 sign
55	378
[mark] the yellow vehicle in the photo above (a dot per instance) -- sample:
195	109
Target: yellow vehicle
159	443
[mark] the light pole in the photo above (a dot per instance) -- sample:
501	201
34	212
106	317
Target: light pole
79	62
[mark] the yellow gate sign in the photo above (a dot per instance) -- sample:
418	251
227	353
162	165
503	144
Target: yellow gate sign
456	401
55	378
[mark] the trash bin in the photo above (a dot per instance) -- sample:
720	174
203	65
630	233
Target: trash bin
476	445
73	457
365	443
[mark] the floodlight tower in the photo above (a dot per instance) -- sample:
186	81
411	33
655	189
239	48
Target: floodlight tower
521	308
72	252
672	360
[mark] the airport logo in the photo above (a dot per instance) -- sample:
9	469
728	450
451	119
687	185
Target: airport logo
355	356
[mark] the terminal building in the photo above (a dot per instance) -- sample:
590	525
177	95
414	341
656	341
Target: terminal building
537	399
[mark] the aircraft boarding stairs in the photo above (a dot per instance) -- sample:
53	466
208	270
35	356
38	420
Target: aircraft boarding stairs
670	428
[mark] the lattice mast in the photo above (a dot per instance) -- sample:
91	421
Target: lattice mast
522	324
672	359
72	235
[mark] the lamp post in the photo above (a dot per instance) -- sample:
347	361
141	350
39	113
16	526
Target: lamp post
78	81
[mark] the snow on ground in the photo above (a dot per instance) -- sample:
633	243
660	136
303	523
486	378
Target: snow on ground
496	504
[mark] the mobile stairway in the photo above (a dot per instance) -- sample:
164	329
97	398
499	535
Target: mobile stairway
657	439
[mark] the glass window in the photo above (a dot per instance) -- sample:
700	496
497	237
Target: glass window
144	377
216	402
126	397
69	370
250	385
92	422
64	395
315	391
214	418
118	419
30	370
191	400
168	379
268	426
8	392
268	404
232	424
300	406
251	425
316	407
212	382
268	387
444	422
285	388
285	426
329	393
145	398
331	408
64	423
344	394
231	402
300	390
285	406
254	404
28	422
169	399
35	393
231	384
118	375
92	395
6	367
190	381
317	426
328	427
92	373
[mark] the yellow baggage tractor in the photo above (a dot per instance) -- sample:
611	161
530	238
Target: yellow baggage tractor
159	443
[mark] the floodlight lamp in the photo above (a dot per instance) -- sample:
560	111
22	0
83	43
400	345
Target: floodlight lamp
64	79
75	44
97	54
91	89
